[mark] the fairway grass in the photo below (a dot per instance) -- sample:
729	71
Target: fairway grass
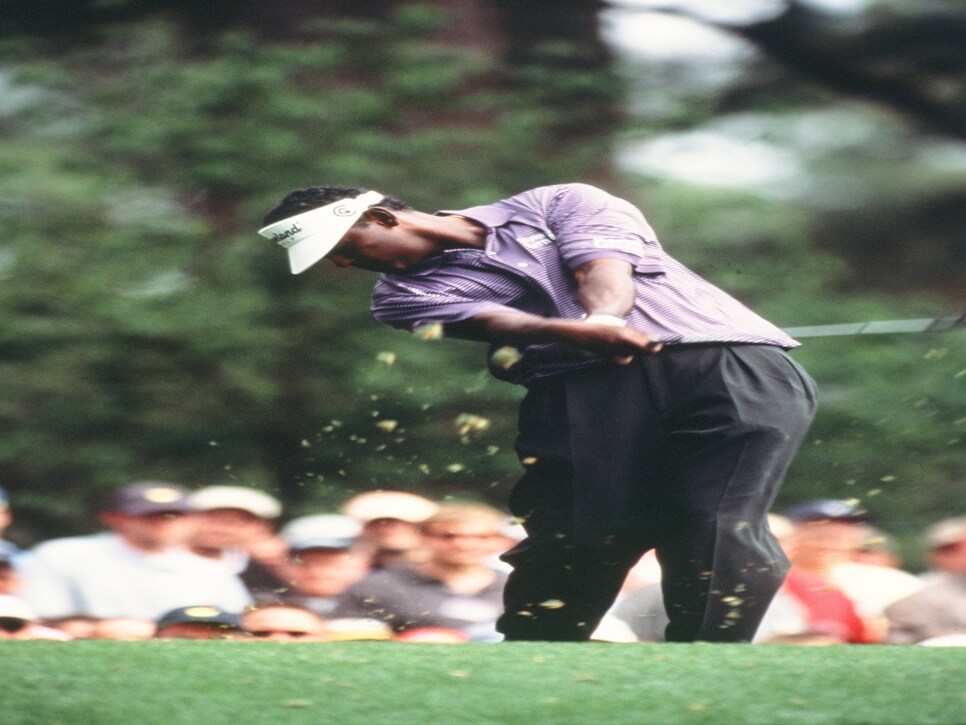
370	683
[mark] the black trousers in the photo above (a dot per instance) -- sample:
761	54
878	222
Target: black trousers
682	452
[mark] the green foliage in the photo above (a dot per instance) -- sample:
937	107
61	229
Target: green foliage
146	332
903	399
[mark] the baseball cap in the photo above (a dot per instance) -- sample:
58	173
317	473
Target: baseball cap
946	532
12	607
321	531
4	498
311	235
828	509
255	502
399	505
201	614
151	497
344	629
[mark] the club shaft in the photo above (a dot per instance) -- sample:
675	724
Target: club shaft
875	327
878	327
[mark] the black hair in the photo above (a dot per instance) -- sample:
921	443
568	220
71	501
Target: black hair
312	197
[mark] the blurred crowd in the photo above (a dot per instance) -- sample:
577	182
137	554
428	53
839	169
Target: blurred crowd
224	562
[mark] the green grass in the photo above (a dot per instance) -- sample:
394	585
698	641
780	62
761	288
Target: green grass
370	683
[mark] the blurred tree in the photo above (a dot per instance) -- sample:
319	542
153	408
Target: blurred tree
146	332
909	58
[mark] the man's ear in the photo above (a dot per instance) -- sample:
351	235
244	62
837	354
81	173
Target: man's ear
381	215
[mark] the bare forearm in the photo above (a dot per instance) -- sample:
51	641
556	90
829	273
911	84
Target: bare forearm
512	327
605	290
605	286
521	328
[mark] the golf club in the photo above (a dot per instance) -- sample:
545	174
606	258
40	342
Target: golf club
880	327
874	327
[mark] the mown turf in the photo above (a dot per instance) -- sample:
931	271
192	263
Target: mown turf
142	683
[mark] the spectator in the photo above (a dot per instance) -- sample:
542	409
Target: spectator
199	622
326	558
638	612
643	611
827	534
10	581
936	613
7	548
877	548
390	524
140	568
796	615
126	629
78	626
237	527
18	621
452	588
943	555
348	629
284	623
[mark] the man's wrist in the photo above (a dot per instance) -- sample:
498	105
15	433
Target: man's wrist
605	318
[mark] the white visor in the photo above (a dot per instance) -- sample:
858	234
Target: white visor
311	235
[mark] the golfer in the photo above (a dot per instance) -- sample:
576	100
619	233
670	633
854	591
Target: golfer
660	412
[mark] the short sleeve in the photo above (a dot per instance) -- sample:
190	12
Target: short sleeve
588	223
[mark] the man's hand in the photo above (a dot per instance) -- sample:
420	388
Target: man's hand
608	339
606	290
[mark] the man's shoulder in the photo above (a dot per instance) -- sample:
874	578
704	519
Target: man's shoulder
946	587
537	200
76	545
938	594
873	573
574	191
569	187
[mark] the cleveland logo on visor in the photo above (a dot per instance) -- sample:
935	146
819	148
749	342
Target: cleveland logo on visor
285	238
309	236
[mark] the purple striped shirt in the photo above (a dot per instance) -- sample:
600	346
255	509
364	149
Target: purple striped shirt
535	241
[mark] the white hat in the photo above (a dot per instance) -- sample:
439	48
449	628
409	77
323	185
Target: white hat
399	505
946	532
16	608
321	531
254	502
311	235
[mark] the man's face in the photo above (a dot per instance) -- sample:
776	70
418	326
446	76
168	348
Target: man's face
283	623
950	558
462	543
198	630
227	528
379	247
327	572
152	531
391	534
10	581
826	541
